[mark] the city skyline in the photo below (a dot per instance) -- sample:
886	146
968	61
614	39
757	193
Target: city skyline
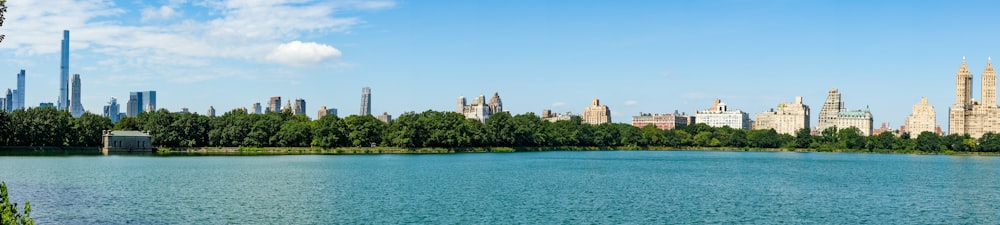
636	57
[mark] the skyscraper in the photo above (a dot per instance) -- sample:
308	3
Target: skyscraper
63	102
19	98
300	107
75	107
366	101
256	108
149	101
133	107
6	100
274	105
111	111
211	111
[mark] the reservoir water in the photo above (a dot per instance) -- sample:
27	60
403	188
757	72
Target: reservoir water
606	187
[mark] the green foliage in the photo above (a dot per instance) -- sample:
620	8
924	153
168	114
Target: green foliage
928	141
450	130
990	142
8	210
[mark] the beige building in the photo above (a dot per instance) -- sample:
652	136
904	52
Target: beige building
787	119
385	117
720	116
479	110
596	113
834	113
968	116
922	119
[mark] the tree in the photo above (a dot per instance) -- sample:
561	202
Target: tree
126	123
928	141
6	131
850	138
882	141
294	133
364	130
990	142
763	138
8	210
330	131
40	127
803	138
500	129
88	129
650	135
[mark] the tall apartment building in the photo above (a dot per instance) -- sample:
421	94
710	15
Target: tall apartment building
300	107
7	102
479	109
719	115
923	118
366	101
323	111
211	111
274	105
256	108
63	101
835	114
112	111
661	121
596	113
787	119
75	106
139	102
385	117
19	93
968	116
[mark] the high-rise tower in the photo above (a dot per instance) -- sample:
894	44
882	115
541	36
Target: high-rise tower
989	85
63	102
19	99
366	101
75	107
496	106
959	116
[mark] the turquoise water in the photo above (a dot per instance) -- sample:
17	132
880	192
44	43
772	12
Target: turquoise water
611	187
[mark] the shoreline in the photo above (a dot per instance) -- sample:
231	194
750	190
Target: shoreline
166	151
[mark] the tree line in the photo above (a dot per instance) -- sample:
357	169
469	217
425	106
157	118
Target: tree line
50	127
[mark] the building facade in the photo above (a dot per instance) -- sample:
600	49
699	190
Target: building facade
19	97
273	104
385	117
256	108
75	106
968	116
211	111
7	102
548	115
300	107
366	102
127	141
834	114
719	115
63	101
479	109
662	121
923	118
596	113
139	102
323	111
112	110
787	119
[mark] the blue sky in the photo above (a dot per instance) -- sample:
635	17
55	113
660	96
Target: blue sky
636	56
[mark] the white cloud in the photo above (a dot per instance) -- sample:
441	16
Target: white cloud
162	13
226	31
558	104
298	53
631	103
